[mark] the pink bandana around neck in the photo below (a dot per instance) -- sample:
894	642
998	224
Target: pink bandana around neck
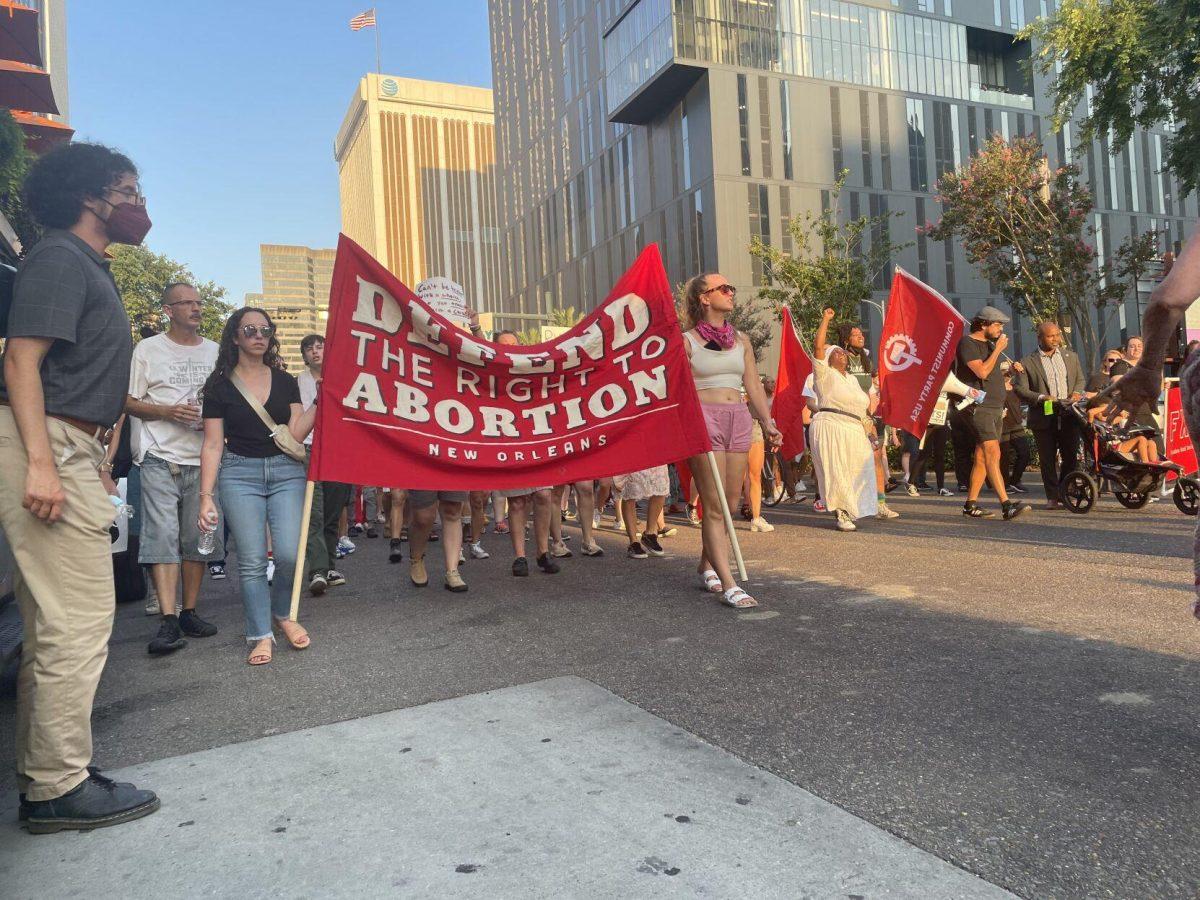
723	337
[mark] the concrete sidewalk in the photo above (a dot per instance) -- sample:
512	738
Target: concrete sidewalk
551	789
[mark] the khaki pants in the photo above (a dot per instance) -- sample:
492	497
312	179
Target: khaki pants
64	588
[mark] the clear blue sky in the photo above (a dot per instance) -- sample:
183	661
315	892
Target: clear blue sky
230	108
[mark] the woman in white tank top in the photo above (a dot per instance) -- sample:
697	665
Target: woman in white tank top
723	368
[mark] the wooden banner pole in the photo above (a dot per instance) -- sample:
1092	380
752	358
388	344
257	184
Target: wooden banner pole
737	550
301	550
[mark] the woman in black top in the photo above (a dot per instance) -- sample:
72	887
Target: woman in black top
261	487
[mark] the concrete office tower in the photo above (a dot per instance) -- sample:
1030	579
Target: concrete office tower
416	170
295	293
700	124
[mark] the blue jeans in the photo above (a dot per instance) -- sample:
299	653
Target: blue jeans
257	494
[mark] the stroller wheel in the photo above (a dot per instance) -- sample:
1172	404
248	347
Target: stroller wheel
1132	499
1078	491
1187	496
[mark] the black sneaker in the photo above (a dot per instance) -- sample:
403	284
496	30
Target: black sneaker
334	578
317	585
355	530
194	626
520	567
395	550
371	532
547	565
434	537
636	551
651	545
169	638
1013	508
216	571
97	803
973	510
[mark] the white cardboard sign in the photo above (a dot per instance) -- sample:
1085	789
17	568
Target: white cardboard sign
446	297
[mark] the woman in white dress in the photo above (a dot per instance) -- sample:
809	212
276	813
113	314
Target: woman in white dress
842	453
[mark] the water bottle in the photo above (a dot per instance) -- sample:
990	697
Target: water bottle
208	539
124	510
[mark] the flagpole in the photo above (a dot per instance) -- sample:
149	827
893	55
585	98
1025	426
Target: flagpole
378	65
301	550
737	549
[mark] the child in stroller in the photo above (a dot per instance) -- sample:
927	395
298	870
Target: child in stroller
1138	443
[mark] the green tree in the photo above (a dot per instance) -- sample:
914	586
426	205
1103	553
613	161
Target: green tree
563	317
15	159
141	275
1026	229
1142	61
834	263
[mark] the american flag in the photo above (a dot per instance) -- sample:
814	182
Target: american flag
363	20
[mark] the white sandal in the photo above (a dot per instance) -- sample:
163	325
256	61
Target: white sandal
738	599
711	580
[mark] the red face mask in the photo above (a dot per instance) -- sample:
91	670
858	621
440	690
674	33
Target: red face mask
128	223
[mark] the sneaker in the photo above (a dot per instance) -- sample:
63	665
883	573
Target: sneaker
560	550
801	487
547	565
1016	489
819	505
669	531
417	573
380	519
886	512
891	485
520	567
371	532
217	571
1013	508
355	530
844	522
973	510
194	626
596	520
592	549
345	546
434	537
152	606
169	637
270	571
334	578
317	585
637	551
477	551
395	550
911	490
462	555
454	582
945	492
651	545
798	497
502	527
693	516
96	803
761	524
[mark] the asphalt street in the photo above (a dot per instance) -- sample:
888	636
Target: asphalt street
1018	699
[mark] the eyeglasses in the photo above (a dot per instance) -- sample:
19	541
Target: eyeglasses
727	289
135	196
196	303
1111	360
263	331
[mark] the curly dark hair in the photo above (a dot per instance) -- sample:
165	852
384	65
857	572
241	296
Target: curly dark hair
227	352
59	181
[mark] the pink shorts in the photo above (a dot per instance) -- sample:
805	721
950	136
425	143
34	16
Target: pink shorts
729	426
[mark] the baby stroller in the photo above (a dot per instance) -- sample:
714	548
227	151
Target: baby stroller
1132	481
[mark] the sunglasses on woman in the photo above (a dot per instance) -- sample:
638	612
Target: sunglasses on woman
727	289
263	331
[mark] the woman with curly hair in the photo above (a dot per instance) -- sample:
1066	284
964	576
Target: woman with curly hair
723	367
261	486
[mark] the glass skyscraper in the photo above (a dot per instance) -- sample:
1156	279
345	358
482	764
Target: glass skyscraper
700	124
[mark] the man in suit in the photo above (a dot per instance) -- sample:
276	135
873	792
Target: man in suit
1052	377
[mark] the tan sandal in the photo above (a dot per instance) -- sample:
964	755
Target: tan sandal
258	656
299	641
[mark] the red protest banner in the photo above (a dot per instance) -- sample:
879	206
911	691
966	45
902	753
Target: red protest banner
787	407
1180	448
916	352
408	400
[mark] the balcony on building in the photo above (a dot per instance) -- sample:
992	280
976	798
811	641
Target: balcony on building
643	74
999	69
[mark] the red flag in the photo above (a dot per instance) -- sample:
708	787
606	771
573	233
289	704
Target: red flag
409	401
787	408
916	352
1180	448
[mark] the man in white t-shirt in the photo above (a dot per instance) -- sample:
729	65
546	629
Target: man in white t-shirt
329	497
165	380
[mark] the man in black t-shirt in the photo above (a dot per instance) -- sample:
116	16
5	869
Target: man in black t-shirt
978	365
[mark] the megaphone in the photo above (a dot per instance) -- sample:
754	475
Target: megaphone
952	385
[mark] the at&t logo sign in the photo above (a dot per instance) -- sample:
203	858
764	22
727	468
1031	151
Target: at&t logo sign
901	353
388	87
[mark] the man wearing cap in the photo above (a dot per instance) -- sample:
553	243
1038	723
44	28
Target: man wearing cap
1052	378
978	365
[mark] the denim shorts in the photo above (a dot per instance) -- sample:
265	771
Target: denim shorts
170	507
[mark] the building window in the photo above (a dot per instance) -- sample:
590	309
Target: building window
785	216
950	288
922	242
764	126
880	232
698	230
917	161
744	123
864	121
785	107
687	150
835	120
885	142
760	227
1164	199
1132	193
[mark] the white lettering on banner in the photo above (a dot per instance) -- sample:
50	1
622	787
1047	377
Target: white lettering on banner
364	394
425	332
475	354
442	415
616	401
519	390
649	383
575	418
377	308
411	403
541	417
639	313
387	357
532	363
935	370
498	422
590	341
363	338
658	342
467	381
421	373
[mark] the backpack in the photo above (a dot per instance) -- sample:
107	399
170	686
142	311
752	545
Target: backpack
8	278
